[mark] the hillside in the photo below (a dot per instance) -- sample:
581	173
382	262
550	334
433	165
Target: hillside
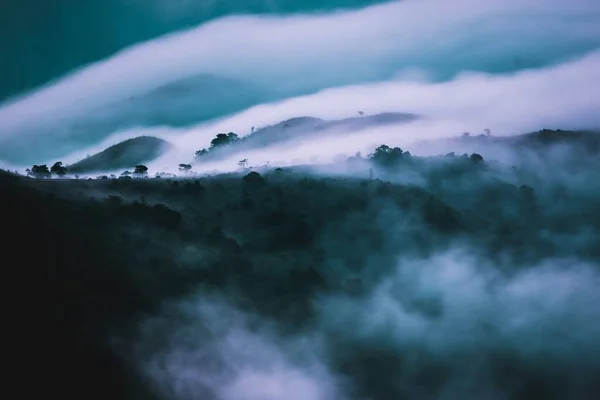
123	155
305	128
568	143
393	264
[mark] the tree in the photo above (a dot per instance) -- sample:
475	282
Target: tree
140	171
185	167
201	153
476	158
223	139
114	201
254	178
466	134
243	164
361	113
386	156
40	172
487	132
58	169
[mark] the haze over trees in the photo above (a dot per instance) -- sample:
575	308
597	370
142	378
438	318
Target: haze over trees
220	141
400	264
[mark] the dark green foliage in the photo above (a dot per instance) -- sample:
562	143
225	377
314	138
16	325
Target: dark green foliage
386	156
476	158
166	217
40	172
223	139
254	179
109	252
114	201
140	171
58	169
220	141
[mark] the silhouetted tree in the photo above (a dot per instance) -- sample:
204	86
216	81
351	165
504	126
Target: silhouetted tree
243	164
202	152
384	155
254	178
126	173
185	167
476	158
140	171
58	169
223	139
40	172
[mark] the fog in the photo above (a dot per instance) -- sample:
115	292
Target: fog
213	350
448	326
436	278
397	41
560	97
409	276
563	97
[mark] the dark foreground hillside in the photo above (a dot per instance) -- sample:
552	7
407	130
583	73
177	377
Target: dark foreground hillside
438	278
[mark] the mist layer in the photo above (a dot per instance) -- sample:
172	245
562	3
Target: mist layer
226	65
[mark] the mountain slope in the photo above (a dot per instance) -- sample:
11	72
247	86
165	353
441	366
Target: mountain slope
126	154
306	128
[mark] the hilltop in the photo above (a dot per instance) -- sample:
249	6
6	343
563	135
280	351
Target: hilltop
306	128
122	155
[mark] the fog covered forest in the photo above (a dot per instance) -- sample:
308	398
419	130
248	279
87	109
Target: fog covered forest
300	199
388	276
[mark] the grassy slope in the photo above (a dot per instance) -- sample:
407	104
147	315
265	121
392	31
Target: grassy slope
123	155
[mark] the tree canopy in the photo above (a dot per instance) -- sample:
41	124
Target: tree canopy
385	155
223	139
140	170
40	172
58	169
